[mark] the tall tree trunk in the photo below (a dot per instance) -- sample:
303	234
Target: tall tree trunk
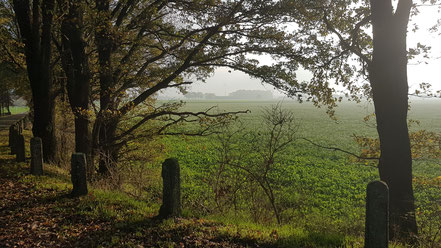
44	123
36	30
76	66
388	77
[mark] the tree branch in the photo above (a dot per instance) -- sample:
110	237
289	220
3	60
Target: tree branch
403	12
184	114
341	150
344	43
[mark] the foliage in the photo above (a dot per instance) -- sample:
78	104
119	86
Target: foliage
424	143
334	41
253	158
12	60
64	123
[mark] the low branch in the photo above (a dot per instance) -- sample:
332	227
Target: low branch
182	115
341	150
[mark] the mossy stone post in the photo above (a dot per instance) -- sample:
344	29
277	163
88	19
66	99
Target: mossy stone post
14	136
377	215
20	155
36	156
78	174
171	191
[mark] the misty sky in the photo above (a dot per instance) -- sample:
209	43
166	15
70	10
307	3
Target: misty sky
225	81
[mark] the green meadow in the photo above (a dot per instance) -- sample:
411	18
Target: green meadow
18	110
318	190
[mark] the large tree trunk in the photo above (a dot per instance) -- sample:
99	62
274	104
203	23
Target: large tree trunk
76	66
388	77
44	123
36	29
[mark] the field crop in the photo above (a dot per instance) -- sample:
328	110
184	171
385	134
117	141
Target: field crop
318	190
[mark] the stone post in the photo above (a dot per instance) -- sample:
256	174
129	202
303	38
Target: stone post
377	215
13	136
171	192
78	174
20	155
36	156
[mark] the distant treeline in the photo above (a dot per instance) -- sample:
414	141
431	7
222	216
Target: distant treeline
239	94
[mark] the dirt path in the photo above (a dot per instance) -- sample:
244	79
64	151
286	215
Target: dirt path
8	120
32	216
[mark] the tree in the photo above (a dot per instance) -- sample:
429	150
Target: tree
388	79
36	33
139	49
341	51
12	63
76	67
143	47
194	95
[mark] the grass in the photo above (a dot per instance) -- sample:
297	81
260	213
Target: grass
322	191
312	175
18	110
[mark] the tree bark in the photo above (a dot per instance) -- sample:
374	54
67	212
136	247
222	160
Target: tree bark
388	78
35	30
44	123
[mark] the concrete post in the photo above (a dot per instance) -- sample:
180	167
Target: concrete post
36	156
78	174
20	155
377	215
171	196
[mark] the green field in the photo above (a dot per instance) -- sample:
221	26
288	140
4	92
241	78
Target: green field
316	190
18	110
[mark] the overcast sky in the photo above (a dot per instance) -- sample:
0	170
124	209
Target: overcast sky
225	81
